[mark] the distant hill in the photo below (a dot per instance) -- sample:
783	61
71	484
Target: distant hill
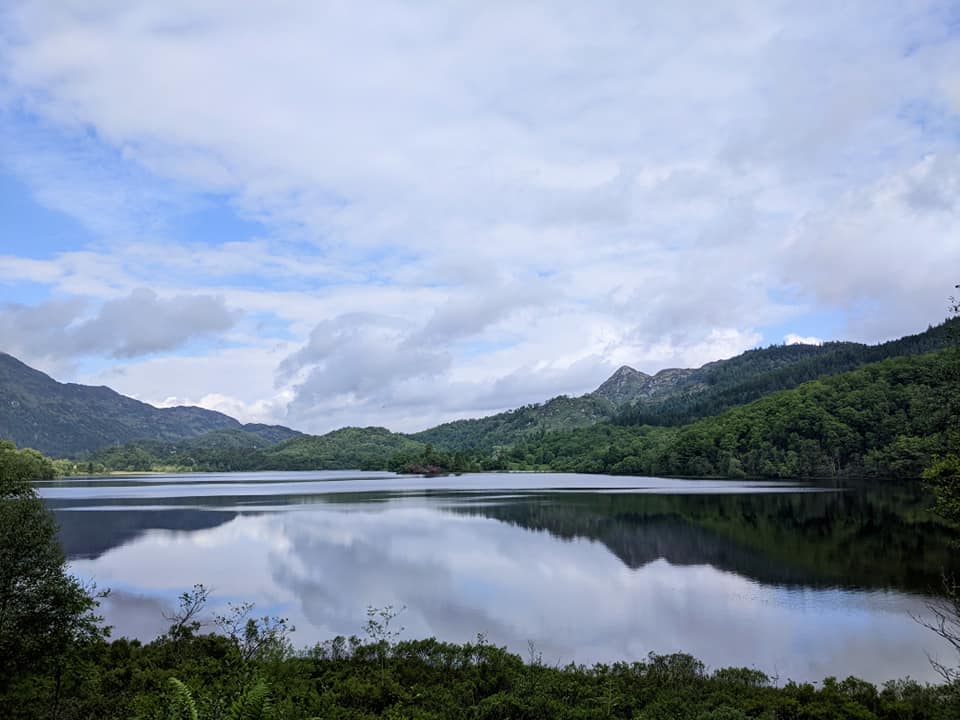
631	387
725	384
888	419
624	386
506	428
238	450
678	395
70	420
218	450
346	448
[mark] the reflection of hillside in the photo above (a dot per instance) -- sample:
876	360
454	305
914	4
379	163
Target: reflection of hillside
849	540
90	533
881	538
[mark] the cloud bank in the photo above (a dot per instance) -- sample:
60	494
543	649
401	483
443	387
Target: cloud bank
139	324
409	213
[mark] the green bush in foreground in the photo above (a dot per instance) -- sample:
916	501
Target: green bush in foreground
345	678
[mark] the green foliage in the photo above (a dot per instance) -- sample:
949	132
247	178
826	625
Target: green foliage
180	704
215	451
46	617
432	679
944	476
236	450
351	447
888	419
256	639
253	704
19	467
430	461
507	428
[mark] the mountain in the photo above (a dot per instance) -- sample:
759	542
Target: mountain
71	420
887	419
725	384
679	395
627	385
623	386
346	448
507	428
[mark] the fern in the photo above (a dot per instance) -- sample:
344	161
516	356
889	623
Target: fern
253	704
182	706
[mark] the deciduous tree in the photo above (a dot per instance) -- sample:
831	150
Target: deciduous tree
45	612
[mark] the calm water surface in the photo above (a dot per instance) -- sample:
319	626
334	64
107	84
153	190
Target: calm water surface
795	580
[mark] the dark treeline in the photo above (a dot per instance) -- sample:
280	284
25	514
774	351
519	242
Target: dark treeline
351	447
428	460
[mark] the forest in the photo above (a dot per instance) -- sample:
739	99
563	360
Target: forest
885	420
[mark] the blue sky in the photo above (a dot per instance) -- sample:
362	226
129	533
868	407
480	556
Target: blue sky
325	214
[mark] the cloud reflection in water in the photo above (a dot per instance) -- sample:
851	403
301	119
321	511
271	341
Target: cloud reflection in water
458	575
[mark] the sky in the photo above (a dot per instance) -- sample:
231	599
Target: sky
400	213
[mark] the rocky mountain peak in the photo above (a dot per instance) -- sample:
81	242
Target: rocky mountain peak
622	386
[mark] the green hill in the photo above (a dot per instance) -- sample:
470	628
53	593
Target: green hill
508	428
218	450
677	396
346	448
70	420
886	419
724	384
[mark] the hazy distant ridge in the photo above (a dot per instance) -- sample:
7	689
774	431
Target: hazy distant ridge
68	420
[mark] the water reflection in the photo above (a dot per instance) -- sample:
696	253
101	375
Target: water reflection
788	582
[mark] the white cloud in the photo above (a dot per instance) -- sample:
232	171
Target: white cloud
794	339
138	324
886	252
508	201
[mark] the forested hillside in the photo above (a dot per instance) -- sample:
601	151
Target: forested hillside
678	396
70	420
218	450
724	384
887	419
237	450
507	428
350	447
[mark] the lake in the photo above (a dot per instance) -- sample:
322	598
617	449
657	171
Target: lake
799	581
